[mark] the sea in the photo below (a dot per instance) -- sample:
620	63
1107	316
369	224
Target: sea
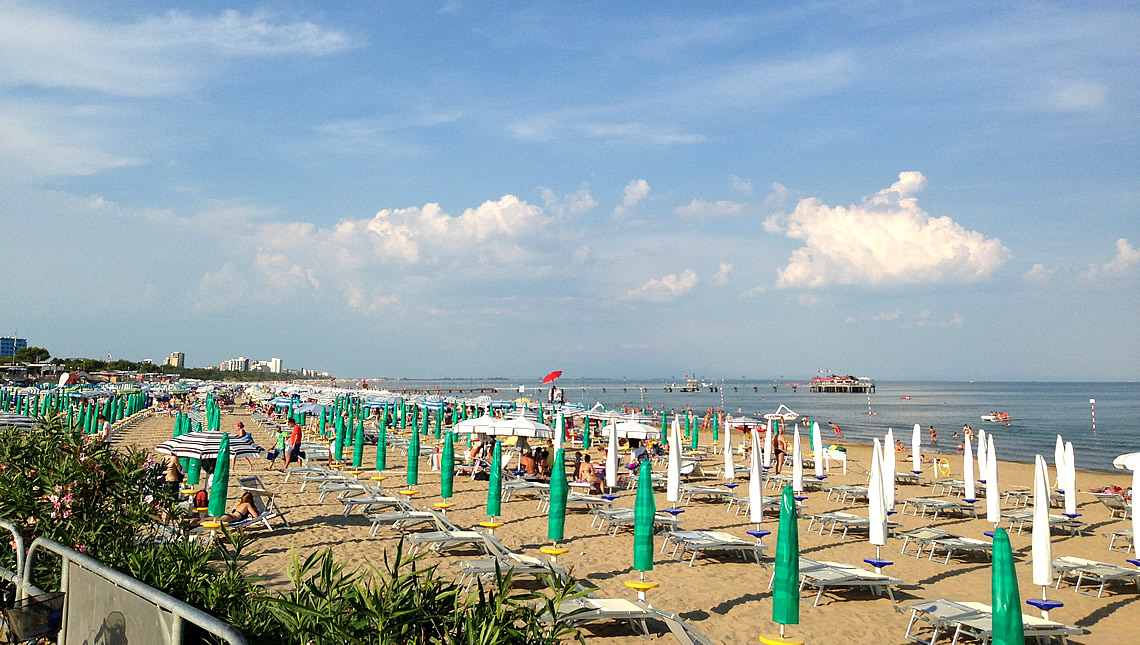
1039	410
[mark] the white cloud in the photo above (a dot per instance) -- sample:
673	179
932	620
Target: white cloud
666	288
154	56
721	276
888	315
40	140
742	186
702	208
577	203
888	239
1039	274
1080	96
635	191
1121	265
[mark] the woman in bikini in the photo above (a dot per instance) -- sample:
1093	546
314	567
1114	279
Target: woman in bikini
243	511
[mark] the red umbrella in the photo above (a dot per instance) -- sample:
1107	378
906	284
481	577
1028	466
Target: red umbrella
551	377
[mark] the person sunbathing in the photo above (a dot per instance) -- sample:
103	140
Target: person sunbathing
244	510
586	474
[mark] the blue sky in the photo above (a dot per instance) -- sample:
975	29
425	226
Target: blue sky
899	190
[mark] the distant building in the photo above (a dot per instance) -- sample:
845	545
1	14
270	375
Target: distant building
275	365
9	345
176	359
239	364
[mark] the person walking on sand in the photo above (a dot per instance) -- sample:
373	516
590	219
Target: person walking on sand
294	454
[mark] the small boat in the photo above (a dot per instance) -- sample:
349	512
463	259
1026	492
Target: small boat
904	398
997	417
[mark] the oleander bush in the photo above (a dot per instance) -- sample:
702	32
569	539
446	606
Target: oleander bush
111	505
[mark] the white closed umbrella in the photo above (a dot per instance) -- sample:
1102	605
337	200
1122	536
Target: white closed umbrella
673	485
559	430
889	469
876	499
755	484
983	467
916	449
768	444
820	451
612	458
1059	463
993	488
1070	481
968	472
797	463
1042	549
729	465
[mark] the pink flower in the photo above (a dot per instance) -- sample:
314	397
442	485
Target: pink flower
82	548
66	513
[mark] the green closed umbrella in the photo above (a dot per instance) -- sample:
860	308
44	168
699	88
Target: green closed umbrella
447	467
644	510
424	426
786	583
695	433
716	427
321	426
338	441
664	428
220	487
438	421
1005	599
540	418
586	433
358	445
495	485
414	459
382	444
559	490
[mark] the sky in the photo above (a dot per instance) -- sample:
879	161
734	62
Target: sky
900	190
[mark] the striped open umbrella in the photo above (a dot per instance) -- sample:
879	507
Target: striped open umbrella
207	445
12	420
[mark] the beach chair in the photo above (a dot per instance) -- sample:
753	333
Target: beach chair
517	563
824	576
909	479
841	493
1121	534
513	486
581	611
1095	572
847	521
921	537
1016	497
938	505
715	493
616	518
710	542
440	541
1022	517
367	500
576	500
974	620
265	503
1115	504
957	544
405	516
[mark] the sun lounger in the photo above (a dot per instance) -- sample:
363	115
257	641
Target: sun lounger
440	541
580	611
263	502
701	542
743	504
974	620
575	500
1115	504
615	518
846	521
517	563
1094	571
938	505
523	486
841	493
406	516
907	478
955	488
777	481
1017	497
1121	534
957	544
716	493
921	537
823	576
1023	517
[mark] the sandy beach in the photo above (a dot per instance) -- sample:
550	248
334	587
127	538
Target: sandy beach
725	599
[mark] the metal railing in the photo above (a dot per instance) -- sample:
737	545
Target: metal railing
181	611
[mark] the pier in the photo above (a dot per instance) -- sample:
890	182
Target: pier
842	385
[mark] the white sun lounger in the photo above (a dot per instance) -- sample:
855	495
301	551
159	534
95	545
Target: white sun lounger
580	611
846	521
701	542
957	544
517	563
841	493
975	620
823	575
1115	504
937	505
1022	517
440	541
716	493
1095	572
575	499
1120	534
615	518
